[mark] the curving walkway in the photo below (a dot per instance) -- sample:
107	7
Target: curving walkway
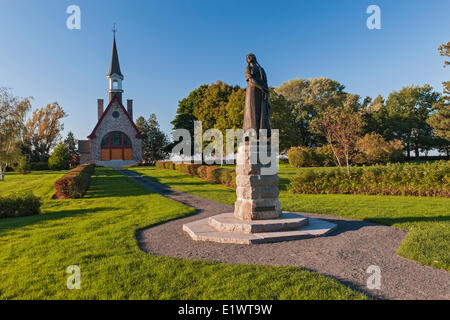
344	255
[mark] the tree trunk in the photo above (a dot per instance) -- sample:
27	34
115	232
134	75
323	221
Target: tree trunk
416	151
346	160
335	155
2	175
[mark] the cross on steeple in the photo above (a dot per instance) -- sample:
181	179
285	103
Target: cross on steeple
114	30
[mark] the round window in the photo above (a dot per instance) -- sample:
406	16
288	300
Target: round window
115	114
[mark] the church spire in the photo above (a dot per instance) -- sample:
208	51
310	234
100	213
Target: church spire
114	75
114	67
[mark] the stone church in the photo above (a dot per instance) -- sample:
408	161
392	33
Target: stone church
115	140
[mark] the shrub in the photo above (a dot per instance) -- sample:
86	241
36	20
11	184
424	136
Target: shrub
24	165
323	156
427	179
159	165
193	169
75	183
210	175
374	149
215	174
309	157
19	205
299	157
180	167
222	175
233	179
169	165
39	166
60	158
8	169
202	171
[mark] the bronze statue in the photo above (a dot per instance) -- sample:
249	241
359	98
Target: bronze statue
257	106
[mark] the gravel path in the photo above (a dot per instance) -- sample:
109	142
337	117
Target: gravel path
345	254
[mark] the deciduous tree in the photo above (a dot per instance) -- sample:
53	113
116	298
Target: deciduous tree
440	119
407	111
307	98
44	128
341	126
12	115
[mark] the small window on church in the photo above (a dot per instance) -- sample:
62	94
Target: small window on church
115	84
115	114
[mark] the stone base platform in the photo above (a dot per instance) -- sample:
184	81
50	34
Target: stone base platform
226	228
227	222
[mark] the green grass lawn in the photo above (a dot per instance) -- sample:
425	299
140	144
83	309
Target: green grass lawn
97	233
38	182
427	219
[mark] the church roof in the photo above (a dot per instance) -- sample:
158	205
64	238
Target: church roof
115	98
114	67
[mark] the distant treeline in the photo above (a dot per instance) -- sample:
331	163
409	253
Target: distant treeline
313	113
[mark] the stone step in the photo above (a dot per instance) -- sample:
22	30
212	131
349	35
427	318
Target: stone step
201	230
115	163
228	222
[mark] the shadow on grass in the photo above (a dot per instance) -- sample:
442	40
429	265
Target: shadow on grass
283	184
113	186
35	173
105	184
8	224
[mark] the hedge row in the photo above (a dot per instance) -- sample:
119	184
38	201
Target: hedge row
74	183
225	176
39	166
427	179
19	205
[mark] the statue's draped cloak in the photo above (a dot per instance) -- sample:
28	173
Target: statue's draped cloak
257	107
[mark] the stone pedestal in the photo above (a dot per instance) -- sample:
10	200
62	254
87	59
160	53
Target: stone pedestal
257	192
257	216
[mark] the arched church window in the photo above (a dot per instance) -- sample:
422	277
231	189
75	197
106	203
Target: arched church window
105	141
116	145
115	84
126	141
116	139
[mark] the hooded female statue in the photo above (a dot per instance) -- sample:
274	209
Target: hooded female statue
257	107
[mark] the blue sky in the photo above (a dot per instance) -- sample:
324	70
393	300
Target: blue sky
168	48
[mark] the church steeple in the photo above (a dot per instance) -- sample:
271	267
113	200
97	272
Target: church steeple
114	75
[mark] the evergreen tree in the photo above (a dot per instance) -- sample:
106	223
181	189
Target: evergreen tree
154	141
71	143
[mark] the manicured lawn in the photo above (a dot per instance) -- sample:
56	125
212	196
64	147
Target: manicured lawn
38	182
97	233
427	219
